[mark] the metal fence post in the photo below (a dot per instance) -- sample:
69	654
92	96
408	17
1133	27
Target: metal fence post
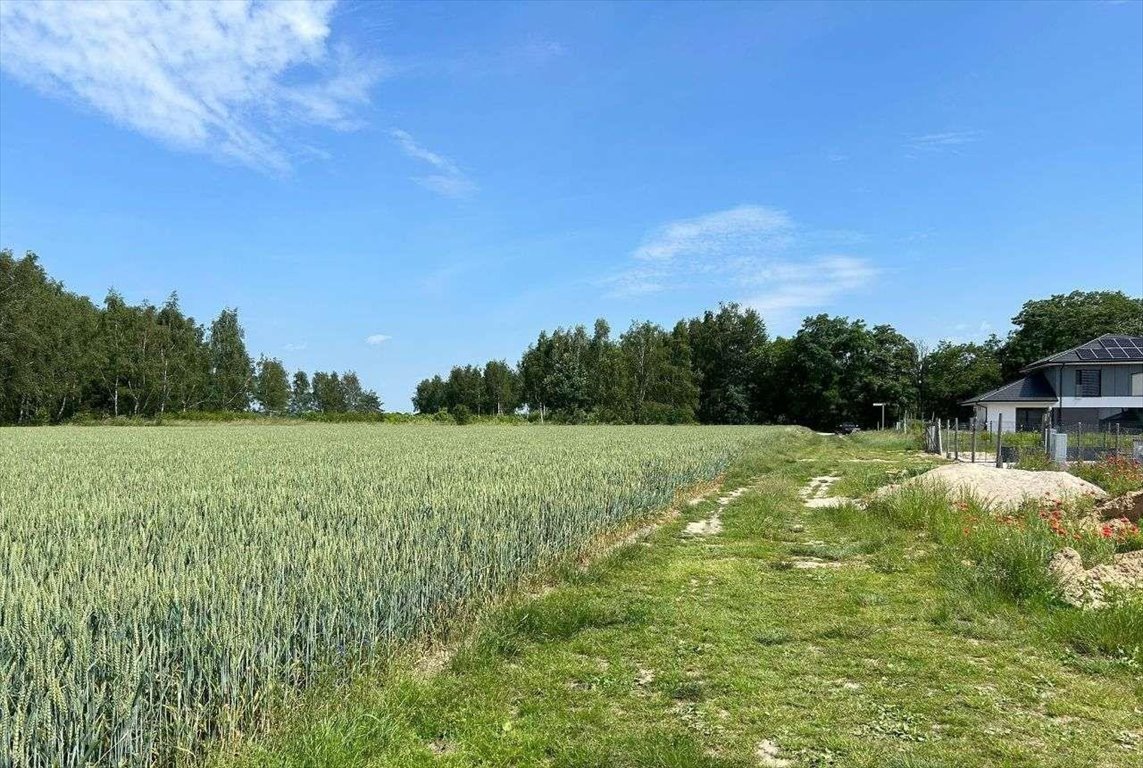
999	432
956	440
973	439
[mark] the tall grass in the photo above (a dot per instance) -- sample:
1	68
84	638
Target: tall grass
1115	474
988	556
1115	631
162	588
1007	553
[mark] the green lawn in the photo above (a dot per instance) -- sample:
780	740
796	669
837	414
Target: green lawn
682	652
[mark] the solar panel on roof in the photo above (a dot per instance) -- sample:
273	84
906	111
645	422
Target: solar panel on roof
1119	354
1085	354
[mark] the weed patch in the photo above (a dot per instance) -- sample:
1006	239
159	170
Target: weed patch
1115	631
1115	474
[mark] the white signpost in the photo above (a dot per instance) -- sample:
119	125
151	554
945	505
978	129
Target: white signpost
882	407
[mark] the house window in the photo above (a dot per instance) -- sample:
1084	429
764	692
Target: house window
1087	382
1137	385
1029	419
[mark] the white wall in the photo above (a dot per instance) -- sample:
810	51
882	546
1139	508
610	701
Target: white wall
994	412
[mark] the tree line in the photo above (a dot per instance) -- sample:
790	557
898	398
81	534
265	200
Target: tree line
63	357
723	368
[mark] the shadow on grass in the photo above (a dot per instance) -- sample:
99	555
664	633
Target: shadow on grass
654	750
557	617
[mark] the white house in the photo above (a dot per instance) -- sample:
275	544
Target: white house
1099	383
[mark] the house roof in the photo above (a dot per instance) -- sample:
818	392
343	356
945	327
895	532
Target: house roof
1108	348
1032	388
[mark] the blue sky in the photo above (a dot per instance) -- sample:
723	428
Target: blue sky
395	188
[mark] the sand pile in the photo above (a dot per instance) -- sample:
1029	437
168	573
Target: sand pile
1003	488
1129	506
1089	587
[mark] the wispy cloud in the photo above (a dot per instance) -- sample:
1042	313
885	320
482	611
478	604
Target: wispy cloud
295	347
747	226
229	79
937	142
753	251
785	287
445	178
376	339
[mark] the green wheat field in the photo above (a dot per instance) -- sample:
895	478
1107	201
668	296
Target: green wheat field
163	587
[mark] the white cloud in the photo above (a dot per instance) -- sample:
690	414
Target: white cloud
747	226
787	287
295	347
446	177
377	338
750	252
226	78
936	142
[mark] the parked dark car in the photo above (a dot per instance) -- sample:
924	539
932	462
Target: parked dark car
847	428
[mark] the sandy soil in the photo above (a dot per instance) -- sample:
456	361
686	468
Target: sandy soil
815	493
1003	488
713	524
1129	506
767	753
1089	587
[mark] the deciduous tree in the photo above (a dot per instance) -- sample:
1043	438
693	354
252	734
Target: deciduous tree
272	388
1047	326
231	371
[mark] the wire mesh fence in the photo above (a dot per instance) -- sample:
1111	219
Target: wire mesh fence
975	443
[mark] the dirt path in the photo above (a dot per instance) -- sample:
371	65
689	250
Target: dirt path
713	525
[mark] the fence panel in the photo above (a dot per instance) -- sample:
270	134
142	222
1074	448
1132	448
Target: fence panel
972	442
